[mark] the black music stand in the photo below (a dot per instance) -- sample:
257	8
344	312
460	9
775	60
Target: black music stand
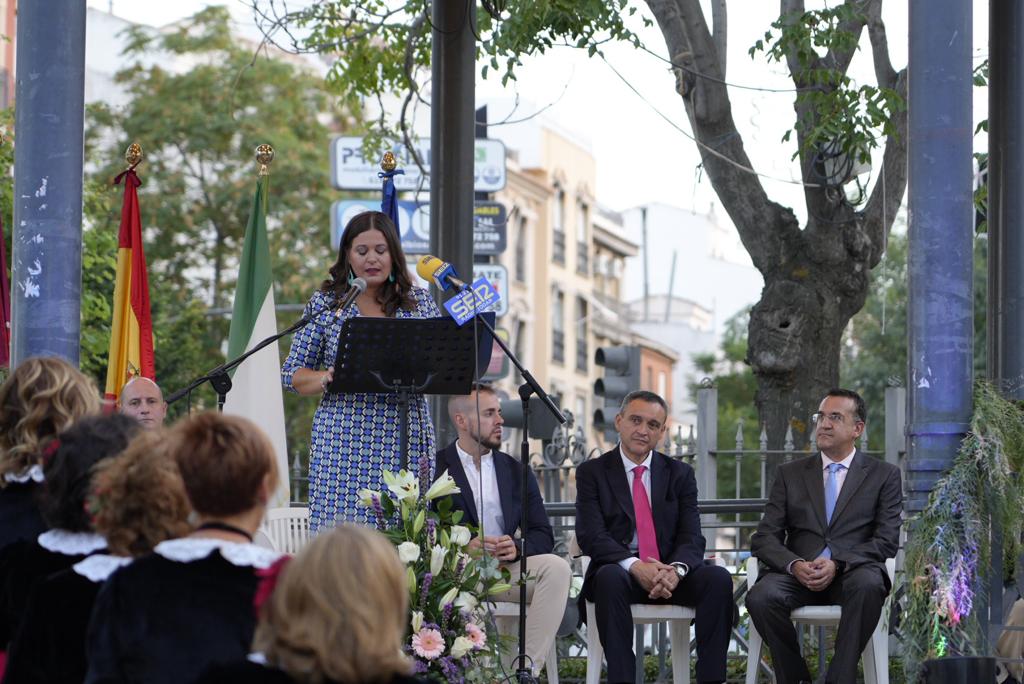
407	356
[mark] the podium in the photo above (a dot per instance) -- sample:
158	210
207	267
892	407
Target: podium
407	356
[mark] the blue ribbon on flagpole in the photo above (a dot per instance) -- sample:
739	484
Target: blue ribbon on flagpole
389	201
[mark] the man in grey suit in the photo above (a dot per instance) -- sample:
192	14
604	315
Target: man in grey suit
831	521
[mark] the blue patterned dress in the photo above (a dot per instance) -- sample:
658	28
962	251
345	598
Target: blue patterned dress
354	436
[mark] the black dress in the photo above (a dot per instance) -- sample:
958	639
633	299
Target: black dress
170	614
19	514
248	672
24	564
49	646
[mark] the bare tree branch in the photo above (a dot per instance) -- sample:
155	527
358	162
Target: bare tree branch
884	73
787	10
720	20
762	224
887	196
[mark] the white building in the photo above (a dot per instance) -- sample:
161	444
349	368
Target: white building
712	269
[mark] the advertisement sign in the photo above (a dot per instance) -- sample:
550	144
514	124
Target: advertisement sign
489	224
351	171
497	276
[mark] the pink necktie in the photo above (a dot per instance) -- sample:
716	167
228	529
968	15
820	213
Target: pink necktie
647	540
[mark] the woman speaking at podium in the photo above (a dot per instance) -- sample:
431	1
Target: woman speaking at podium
355	436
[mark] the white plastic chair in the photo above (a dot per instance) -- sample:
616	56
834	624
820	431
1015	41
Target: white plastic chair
677	617
876	653
510	609
287	528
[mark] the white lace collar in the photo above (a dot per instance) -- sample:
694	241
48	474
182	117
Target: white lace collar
33	473
100	566
71	543
190	549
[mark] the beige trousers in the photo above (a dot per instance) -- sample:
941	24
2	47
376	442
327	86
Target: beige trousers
546	592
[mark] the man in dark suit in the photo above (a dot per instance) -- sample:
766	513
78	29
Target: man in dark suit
637	519
831	521
490	484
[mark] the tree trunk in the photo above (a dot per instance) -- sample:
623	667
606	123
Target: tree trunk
816	277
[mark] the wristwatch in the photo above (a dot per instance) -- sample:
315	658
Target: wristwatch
681	569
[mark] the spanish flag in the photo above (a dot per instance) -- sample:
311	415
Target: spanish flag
131	333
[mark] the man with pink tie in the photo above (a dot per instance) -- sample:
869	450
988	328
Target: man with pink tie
637	519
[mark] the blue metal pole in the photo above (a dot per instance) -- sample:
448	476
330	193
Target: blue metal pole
48	160
941	310
1005	201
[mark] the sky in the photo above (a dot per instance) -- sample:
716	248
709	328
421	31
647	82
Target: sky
631	117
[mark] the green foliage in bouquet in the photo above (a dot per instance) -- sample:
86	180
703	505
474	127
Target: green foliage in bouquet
448	640
949	550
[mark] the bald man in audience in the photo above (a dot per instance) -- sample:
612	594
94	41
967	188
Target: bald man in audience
143	400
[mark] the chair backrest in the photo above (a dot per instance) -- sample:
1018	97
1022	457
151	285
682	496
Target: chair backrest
288	528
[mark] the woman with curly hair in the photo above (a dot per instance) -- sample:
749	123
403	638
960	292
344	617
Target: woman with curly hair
137	500
167	615
42	397
355	436
70	537
338	614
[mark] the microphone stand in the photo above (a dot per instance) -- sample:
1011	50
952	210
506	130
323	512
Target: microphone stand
530	386
219	378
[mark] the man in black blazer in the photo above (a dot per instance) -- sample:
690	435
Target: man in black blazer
831	521
618	497
490	484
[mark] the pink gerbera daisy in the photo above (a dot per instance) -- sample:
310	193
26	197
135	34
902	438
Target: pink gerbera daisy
428	643
476	635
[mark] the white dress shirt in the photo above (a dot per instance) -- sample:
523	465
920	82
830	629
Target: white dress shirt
629	465
487	499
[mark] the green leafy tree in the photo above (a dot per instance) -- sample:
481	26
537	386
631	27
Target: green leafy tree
816	275
199	126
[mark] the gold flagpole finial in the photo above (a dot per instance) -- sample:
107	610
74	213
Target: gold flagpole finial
264	155
133	155
388	163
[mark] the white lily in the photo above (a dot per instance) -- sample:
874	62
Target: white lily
417	620
449	597
437	555
366	497
403	485
466	601
442	486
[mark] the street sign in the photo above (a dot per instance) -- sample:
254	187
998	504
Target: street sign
490	234
351	171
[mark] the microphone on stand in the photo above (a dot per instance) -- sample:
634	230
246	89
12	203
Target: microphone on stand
356	288
440	272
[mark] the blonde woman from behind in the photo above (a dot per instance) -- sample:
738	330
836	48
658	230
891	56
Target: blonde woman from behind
337	615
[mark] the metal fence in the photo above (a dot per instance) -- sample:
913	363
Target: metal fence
727	517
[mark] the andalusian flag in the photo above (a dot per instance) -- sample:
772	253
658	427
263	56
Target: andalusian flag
131	332
256	384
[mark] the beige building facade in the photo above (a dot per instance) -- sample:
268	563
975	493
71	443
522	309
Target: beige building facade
565	258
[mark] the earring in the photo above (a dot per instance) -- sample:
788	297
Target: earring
351	276
391	277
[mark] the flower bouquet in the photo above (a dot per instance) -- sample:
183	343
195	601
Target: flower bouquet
447	638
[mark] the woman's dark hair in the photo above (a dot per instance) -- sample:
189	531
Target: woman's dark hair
68	472
392	296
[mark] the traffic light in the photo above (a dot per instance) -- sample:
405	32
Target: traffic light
542	421
621	376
